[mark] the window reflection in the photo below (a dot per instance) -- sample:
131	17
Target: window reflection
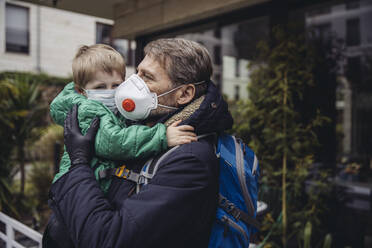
343	28
231	48
123	46
342	34
350	23
353	32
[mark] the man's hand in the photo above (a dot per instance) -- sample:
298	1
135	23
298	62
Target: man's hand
80	148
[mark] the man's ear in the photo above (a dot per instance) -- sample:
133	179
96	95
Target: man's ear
186	94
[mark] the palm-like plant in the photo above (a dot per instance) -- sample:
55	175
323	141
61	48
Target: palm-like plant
23	112
6	147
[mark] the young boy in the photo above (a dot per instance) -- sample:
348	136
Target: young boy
97	71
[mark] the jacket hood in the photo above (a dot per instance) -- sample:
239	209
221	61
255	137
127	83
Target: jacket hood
207	114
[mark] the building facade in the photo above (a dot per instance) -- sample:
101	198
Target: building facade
230	30
41	39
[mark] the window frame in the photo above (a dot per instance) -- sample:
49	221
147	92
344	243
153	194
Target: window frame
104	24
353	34
6	49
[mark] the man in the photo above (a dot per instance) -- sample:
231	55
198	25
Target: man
177	207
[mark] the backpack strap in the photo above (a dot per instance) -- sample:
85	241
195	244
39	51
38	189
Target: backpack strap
241	176
237	213
148	170
122	172
151	169
161	159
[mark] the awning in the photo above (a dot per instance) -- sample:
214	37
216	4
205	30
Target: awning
135	18
99	8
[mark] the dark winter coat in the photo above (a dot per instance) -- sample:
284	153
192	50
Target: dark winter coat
177	207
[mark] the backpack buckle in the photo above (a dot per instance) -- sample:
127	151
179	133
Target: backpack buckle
141	180
123	172
235	213
229	207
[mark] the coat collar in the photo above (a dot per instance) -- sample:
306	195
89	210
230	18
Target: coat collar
208	113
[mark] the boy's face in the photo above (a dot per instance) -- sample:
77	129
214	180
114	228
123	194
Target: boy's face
104	81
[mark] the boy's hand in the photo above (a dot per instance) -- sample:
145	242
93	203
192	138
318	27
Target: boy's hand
178	135
80	148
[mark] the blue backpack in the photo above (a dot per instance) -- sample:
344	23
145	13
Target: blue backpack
238	182
236	212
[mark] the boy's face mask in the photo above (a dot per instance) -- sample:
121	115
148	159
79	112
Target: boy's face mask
106	97
135	101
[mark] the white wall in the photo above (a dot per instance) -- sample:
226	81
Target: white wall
58	34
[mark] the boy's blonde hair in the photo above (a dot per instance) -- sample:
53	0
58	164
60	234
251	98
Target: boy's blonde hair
99	57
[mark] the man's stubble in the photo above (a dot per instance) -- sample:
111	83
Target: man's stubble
160	112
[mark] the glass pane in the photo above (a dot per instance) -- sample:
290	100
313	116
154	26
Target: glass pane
350	24
347	26
103	33
353	32
231	48
341	34
16	25
239	48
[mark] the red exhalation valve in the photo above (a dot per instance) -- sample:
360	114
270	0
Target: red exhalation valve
128	105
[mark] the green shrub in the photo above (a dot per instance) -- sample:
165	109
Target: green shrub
281	126
43	148
39	181
39	78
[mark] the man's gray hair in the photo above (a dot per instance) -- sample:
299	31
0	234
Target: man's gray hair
184	61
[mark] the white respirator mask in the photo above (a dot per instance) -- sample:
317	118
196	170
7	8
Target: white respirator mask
106	97
134	100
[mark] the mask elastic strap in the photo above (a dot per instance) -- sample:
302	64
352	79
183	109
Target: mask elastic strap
201	82
174	108
168	107
165	93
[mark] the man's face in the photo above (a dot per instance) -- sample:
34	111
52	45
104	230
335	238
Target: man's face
158	82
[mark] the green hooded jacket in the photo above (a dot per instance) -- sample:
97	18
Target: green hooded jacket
114	141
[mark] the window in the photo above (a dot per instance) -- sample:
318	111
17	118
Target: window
217	33
131	53
354	71
237	67
353	32
319	11
218	82
352	4
323	31
217	55
237	92
231	54
103	33
123	46
17	29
